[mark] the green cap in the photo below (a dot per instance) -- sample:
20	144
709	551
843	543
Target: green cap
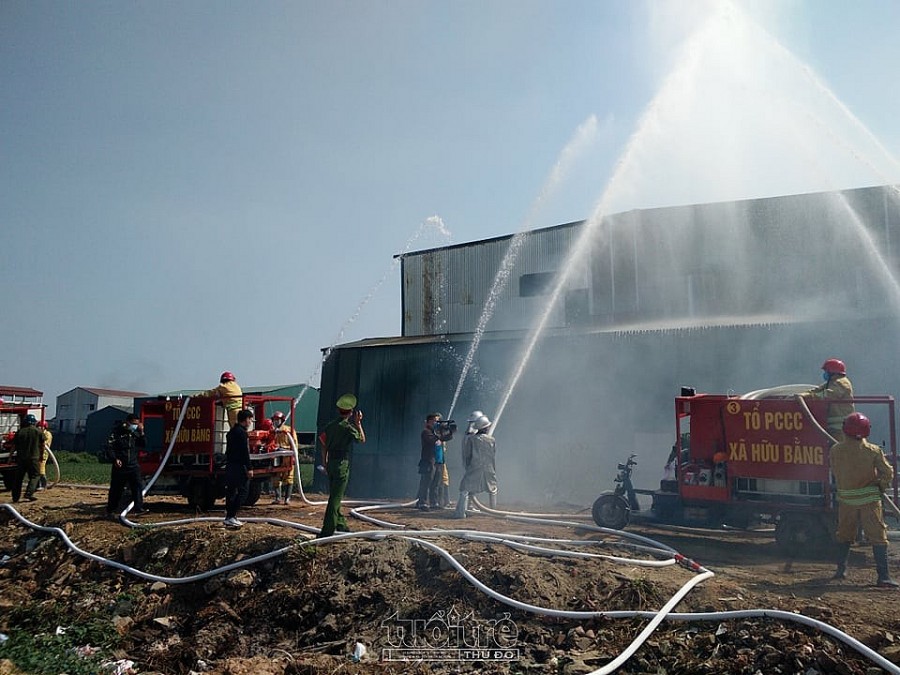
347	402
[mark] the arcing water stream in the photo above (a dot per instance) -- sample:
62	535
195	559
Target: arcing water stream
583	137
735	96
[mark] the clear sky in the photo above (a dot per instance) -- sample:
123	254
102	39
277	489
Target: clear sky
191	187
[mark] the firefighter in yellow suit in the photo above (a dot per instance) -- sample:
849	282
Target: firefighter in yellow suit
836	385
285	439
45	454
861	475
230	394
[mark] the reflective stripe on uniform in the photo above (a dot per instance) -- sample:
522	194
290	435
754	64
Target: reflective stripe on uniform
859	496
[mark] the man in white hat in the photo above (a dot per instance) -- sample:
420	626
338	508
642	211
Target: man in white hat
479	453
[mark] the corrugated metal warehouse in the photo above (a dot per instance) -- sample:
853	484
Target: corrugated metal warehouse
723	297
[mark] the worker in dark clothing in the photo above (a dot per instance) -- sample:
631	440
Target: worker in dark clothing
125	441
237	467
28	441
427	464
337	444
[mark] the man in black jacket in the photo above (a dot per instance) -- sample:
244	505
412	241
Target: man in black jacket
28	442
124	443
237	467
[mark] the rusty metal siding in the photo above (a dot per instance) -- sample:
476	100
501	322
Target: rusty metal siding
445	290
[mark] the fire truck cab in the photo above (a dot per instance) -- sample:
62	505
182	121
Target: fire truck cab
196	467
740	461
11	415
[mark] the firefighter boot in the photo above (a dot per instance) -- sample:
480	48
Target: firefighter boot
493	500
461	505
843	554
881	566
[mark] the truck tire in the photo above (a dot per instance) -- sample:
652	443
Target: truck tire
201	495
798	534
8	478
254	493
611	511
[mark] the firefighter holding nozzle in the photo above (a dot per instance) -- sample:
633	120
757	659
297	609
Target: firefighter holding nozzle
836	385
861	474
479	459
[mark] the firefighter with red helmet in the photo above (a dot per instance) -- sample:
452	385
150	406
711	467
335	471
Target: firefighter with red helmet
861	475
229	393
836	385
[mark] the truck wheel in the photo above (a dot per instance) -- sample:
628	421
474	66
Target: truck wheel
801	533
254	493
611	511
201	495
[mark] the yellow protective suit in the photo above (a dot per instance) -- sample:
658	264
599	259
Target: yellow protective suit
231	396
861	474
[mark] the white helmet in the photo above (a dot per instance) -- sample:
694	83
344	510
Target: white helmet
475	415
481	422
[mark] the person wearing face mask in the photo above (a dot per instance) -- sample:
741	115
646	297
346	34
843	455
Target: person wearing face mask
285	441
125	441
836	385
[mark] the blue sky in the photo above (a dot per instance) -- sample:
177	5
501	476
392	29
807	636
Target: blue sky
191	187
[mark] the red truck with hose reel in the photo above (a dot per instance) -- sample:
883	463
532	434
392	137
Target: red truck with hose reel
196	467
740	460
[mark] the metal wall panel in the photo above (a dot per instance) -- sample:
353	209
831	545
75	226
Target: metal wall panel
693	264
445	291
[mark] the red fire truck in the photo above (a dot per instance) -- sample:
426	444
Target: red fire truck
738	461
196	467
11	415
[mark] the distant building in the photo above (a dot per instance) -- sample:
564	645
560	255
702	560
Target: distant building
11	394
73	408
14	402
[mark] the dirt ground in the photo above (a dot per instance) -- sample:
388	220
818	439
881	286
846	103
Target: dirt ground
304	608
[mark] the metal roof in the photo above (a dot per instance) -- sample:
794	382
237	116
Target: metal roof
9	390
113	392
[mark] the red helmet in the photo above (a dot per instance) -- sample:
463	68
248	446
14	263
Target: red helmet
227	376
834	367
265	425
857	425
42	424
278	415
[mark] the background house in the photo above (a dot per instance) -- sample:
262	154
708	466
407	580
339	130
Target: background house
100	424
74	407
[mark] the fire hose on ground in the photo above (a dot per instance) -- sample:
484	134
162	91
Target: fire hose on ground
517	542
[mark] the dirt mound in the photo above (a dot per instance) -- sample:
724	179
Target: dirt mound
304	608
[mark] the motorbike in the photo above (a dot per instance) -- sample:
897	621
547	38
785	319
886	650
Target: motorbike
613	509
